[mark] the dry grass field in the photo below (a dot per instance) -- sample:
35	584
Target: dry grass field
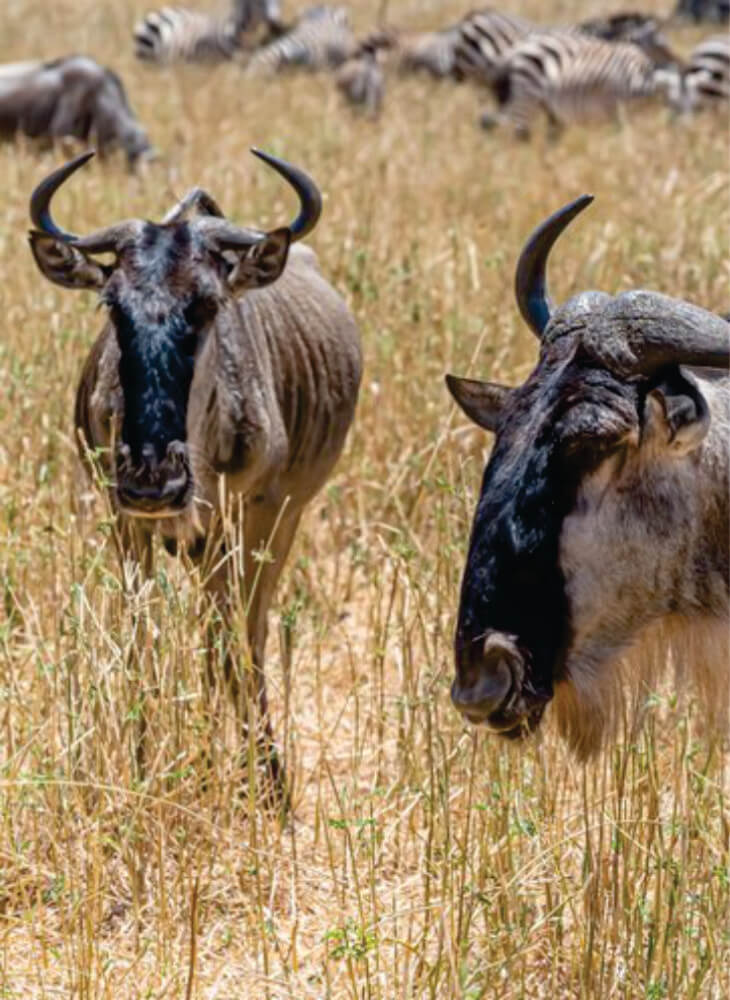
423	859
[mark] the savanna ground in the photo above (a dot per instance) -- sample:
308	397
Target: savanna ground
424	859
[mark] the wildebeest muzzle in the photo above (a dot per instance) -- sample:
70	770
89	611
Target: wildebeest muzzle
490	686
154	487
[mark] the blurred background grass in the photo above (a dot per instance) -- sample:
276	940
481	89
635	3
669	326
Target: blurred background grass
424	859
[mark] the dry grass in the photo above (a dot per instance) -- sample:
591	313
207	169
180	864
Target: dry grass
425	860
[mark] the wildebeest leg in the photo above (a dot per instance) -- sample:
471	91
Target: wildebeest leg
69	115
268	535
269	538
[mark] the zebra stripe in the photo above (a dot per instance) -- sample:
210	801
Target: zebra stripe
174	34
705	80
320	39
484	39
570	77
487	37
177	34
432	52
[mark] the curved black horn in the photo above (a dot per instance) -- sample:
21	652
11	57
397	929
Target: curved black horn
40	200
530	285
309	195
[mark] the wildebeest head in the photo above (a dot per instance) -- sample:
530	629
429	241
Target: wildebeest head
165	285
589	502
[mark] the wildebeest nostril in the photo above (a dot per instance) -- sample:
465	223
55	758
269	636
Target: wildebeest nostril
151	497
155	486
177	454
487	677
487	693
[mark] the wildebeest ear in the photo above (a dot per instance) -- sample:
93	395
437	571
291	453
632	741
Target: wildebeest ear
64	265
482	402
676	414
262	263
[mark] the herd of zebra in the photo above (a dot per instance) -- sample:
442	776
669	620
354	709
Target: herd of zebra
567	72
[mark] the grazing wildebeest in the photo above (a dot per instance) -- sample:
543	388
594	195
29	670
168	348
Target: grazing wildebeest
603	516
73	96
225	354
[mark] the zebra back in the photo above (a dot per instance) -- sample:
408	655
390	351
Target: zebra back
484	37
320	39
174	34
432	52
571	77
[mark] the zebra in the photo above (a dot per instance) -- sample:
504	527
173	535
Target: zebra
643	30
360	79
431	52
486	37
705	77
571	76
483	39
321	38
174	34
623	27
703	10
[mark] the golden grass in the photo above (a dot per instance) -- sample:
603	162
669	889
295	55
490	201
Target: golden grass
425	860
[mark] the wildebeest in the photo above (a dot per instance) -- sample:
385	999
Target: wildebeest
225	357
73	96
603	516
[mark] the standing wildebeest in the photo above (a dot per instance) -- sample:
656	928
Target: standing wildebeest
603	510
201	372
73	96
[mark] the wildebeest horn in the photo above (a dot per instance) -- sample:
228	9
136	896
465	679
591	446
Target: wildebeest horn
530	285
40	200
660	330
40	211
228	236
309	196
